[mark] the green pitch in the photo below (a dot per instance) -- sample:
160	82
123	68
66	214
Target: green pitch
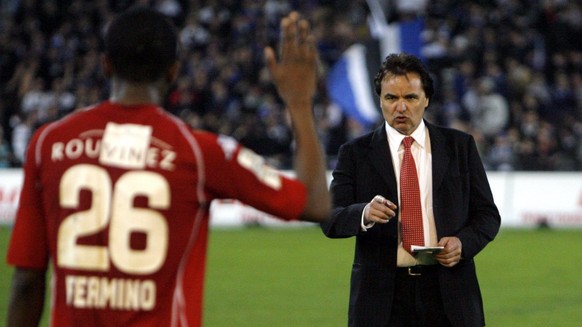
297	277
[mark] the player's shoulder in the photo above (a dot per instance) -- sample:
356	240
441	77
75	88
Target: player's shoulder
79	116
73	118
208	136
207	139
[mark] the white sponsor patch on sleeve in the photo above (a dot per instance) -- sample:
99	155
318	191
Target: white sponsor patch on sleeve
228	145
256	164
125	145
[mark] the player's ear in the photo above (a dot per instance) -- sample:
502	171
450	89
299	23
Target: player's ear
172	72
106	66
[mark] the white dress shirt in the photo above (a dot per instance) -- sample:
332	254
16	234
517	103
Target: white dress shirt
421	152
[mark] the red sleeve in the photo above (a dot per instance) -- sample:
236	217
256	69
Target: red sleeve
235	172
29	247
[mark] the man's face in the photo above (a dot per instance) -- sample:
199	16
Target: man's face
403	101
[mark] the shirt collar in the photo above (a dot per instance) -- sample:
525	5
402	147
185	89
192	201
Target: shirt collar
395	138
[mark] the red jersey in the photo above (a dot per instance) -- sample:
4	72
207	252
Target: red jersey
117	199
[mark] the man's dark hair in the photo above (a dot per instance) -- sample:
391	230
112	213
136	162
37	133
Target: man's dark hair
402	64
141	44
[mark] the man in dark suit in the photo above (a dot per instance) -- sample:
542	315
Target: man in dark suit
391	285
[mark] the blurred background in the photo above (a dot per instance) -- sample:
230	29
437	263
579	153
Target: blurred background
507	71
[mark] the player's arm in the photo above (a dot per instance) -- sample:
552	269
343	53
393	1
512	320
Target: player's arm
26	297
295	76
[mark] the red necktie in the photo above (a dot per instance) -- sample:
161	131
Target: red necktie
410	211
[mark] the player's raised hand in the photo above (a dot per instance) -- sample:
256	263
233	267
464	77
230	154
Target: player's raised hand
295	76
295	71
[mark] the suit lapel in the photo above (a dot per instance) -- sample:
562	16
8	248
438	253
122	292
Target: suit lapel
381	159
380	156
440	155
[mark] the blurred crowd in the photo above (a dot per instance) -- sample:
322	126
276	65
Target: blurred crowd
507	71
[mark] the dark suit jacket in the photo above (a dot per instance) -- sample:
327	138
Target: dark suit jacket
463	207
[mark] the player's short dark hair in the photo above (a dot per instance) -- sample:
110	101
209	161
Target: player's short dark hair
141	44
402	64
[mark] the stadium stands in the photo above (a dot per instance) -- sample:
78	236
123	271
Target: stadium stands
509	72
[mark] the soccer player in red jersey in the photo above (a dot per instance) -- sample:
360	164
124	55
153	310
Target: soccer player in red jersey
116	196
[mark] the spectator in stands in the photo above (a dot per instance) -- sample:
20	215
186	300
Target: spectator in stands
60	97
5	152
488	110
36	99
22	131
501	155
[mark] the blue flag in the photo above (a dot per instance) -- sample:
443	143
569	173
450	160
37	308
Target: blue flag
350	80
349	86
